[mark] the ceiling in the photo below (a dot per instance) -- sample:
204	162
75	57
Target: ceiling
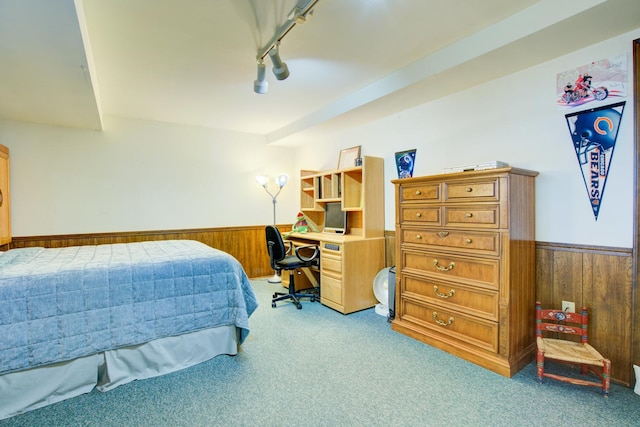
71	62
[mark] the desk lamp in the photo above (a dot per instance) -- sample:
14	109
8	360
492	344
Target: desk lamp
281	181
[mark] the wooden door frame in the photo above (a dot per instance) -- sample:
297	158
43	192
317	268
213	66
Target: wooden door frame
635	313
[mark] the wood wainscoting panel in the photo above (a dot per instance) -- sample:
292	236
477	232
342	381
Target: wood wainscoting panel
608	286
567	278
246	244
390	248
600	279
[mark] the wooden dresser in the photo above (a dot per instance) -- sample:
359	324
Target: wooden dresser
465	274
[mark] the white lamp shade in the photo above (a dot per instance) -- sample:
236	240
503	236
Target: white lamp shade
262	180
283	179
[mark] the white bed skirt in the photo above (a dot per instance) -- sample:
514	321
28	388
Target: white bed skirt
34	388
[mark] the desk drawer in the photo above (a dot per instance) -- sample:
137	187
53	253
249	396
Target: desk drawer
333	264
331	289
331	248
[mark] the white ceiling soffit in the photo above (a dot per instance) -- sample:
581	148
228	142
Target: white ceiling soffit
44	72
193	62
540	33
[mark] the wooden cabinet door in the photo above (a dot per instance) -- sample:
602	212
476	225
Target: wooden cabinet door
5	209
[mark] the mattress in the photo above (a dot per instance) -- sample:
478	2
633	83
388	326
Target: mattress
61	304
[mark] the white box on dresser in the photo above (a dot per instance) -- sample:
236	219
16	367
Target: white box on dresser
465	256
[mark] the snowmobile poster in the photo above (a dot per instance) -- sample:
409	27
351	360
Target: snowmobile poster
597	82
594	134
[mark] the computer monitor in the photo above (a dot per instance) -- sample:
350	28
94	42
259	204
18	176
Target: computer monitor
335	219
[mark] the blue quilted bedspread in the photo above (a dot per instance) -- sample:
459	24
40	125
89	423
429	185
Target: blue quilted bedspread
59	304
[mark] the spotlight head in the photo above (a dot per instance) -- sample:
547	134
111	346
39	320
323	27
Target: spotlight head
280	69
261	85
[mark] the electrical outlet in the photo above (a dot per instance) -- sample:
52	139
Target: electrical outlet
569	306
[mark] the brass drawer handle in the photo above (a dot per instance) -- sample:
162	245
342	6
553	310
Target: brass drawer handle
419	214
469	189
443	268
418	236
441	295
443	233
469	241
418	192
468	215
442	322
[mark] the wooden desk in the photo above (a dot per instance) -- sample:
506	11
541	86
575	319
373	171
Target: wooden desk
348	266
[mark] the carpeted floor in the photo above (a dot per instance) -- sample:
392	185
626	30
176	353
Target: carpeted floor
317	367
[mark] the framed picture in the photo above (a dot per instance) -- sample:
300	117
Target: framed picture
348	157
404	163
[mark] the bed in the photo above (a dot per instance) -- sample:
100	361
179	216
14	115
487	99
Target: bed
78	318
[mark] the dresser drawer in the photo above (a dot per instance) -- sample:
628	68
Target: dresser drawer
422	192
452	324
476	190
461	269
483	242
331	288
453	296
421	214
482	216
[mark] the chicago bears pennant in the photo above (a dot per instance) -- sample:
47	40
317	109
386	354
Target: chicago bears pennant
594	134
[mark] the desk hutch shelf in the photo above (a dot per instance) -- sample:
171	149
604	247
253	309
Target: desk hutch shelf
349	262
358	189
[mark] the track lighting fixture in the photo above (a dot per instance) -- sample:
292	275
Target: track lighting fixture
298	15
261	85
280	69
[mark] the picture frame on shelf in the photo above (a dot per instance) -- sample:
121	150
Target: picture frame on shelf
348	157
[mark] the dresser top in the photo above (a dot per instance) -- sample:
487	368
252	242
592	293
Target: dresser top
468	174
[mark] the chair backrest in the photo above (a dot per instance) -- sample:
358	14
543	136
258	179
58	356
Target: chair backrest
275	245
562	322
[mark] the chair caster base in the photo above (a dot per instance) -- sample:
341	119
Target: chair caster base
295	299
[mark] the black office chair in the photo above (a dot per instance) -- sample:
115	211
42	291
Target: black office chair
281	261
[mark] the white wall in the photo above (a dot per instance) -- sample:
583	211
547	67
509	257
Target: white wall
140	175
137	175
515	120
